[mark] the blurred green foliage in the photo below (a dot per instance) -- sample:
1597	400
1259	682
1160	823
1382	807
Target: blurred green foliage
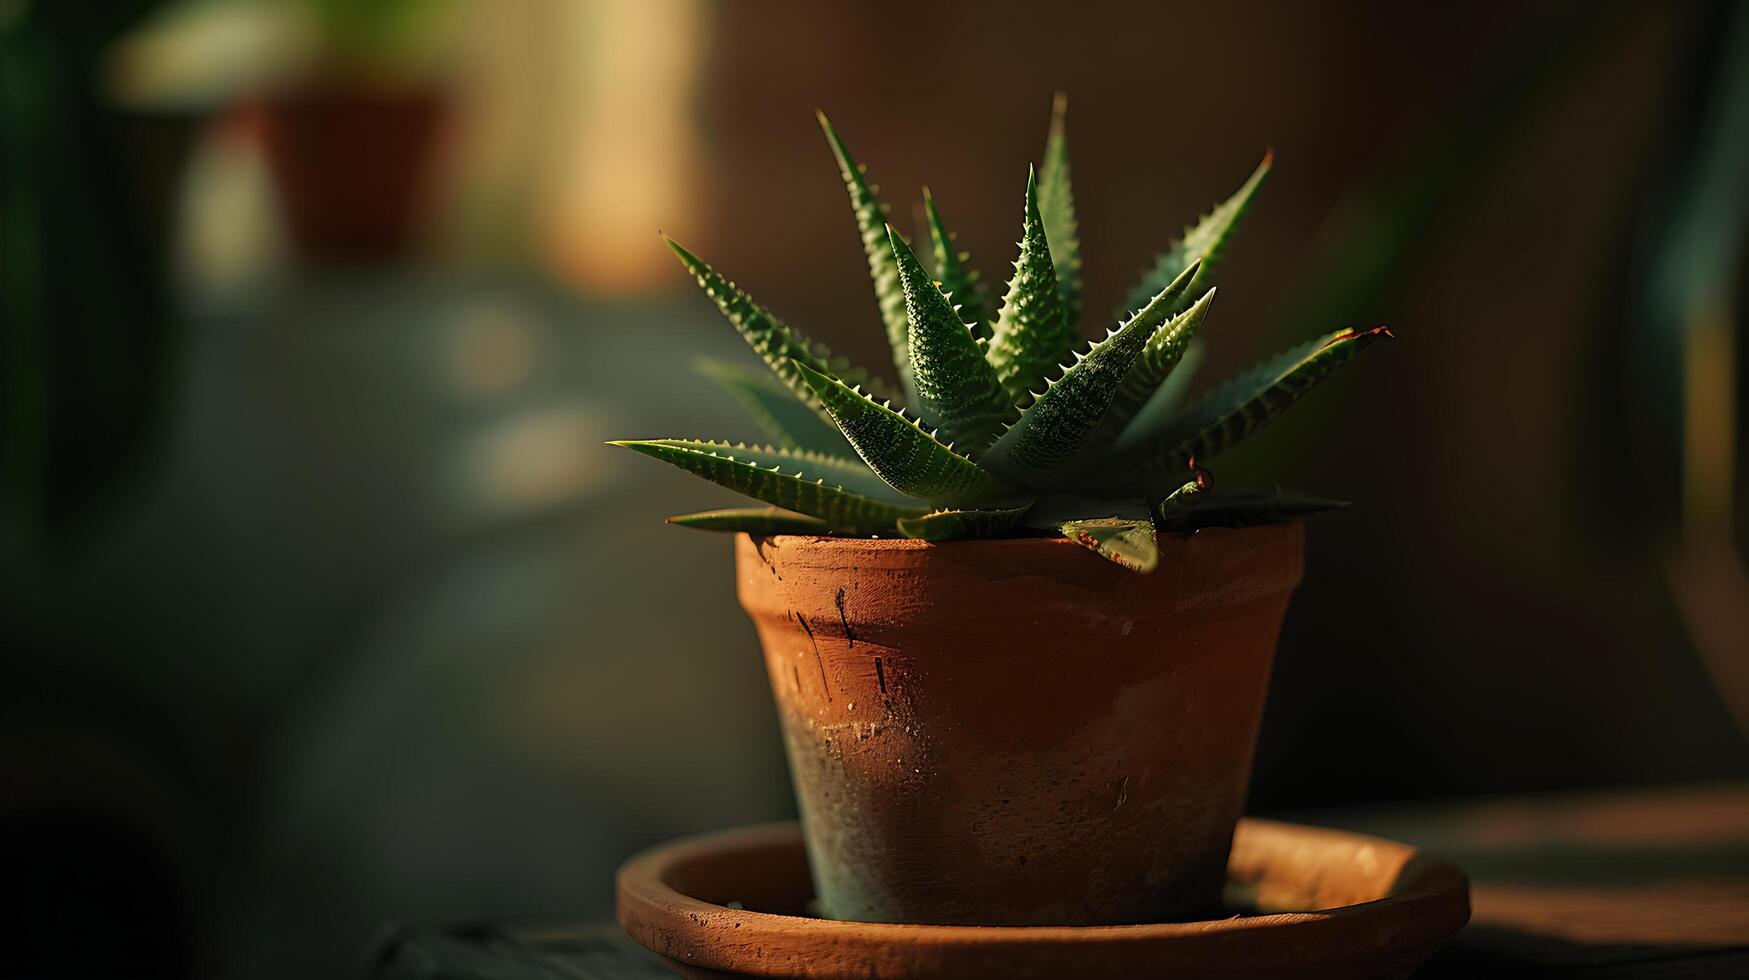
84	325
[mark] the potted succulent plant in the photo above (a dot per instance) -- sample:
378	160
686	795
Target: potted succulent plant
985	722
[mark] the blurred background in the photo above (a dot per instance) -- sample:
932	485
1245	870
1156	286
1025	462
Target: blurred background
323	604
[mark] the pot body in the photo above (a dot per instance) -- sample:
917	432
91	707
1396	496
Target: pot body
1017	731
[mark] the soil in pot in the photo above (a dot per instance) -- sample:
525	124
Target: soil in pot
1018	732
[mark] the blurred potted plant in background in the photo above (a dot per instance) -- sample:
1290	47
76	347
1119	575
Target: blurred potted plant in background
353	134
987	724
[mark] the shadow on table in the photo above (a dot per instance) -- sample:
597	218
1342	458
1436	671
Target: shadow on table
1626	884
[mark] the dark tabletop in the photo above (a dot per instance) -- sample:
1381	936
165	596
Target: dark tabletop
1648	883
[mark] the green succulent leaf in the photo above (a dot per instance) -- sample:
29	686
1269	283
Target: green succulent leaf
846	472
777	343
952	270
899	451
753	520
1206	240
1158	359
957	390
1056	205
871	224
1056	427
1164	349
841	492
1179	501
1057	506
785	420
1010	423
1163	404
1032	337
1129	542
1242	509
1237	408
946	525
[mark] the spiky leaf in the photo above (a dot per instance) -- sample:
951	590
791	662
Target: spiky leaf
957	390
1056	426
1056	506
1032	337
1163	404
784	419
871	225
1130	543
946	525
1205	240
1164	349
753	520
958	280
841	492
776	343
1158	359
1243	509
1180	500
1056	205
1237	407
845	471
899	451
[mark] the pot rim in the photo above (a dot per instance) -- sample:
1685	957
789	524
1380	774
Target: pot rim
1058	556
829	540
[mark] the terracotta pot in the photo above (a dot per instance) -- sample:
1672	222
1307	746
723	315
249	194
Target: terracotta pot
1018	732
353	166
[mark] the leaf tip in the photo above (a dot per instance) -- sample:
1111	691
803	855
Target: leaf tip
839	150
815	379
687	259
1352	334
903	256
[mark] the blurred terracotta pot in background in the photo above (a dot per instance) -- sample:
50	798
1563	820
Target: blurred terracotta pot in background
1016	731
354	166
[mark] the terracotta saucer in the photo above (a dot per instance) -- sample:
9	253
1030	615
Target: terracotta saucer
1306	902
